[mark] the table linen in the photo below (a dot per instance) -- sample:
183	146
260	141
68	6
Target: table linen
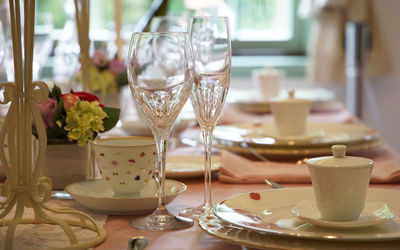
237	169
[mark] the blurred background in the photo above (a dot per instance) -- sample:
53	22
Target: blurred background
302	39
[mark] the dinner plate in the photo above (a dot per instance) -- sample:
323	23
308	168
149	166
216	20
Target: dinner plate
261	240
139	127
250	100
188	166
98	196
374	213
136	127
270	212
317	140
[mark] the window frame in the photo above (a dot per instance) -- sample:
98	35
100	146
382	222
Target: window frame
296	45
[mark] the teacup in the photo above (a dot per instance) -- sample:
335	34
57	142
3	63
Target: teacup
340	184
290	114
126	163
268	81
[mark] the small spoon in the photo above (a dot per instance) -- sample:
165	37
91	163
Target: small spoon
61	195
273	184
137	243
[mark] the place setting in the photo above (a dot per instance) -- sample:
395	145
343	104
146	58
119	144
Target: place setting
292	135
338	209
126	165
268	83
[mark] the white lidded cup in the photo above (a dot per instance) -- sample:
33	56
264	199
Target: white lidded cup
340	184
268	81
126	163
290	114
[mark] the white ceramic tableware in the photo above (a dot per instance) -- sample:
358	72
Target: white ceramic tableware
290	114
270	213
188	166
374	213
268	81
340	184
316	141
126	163
98	196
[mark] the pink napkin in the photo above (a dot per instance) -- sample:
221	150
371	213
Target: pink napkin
237	169
233	115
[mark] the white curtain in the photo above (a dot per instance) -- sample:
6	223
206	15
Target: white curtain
326	48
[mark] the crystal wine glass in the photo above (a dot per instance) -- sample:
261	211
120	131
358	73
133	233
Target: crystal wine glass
160	70
210	38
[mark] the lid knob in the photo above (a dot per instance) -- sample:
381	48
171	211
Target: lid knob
339	151
291	94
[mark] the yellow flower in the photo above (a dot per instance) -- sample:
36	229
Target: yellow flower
83	121
101	80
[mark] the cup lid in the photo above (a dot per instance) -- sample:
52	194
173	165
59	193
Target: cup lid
290	99
339	159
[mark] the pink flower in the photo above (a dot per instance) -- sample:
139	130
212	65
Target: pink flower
47	110
116	66
99	58
69	101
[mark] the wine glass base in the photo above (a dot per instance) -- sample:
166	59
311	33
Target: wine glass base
164	222
203	210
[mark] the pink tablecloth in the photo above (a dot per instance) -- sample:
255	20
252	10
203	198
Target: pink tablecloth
233	115
119	231
193	238
236	169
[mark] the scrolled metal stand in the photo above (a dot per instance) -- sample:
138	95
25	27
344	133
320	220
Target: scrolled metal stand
25	188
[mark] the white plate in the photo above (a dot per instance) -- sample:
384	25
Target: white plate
260	240
374	213
187	166
136	127
97	195
270	211
250	100
140	128
317	140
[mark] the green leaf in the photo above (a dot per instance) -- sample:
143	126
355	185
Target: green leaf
112	119
56	132
55	93
122	79
59	113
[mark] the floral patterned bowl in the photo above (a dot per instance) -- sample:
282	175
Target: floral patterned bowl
126	163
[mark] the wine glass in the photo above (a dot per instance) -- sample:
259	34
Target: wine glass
210	38
160	71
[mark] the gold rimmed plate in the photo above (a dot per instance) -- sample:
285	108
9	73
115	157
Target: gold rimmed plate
250	100
188	166
317	140
270	212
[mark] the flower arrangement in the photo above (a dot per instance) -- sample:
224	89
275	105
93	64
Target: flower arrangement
107	76
76	117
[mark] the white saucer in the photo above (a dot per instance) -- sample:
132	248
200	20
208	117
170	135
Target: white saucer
374	213
136	127
188	166
98	196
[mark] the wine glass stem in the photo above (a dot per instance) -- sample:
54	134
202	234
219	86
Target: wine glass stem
159	174
207	132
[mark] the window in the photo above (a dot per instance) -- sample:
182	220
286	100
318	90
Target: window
259	27
267	27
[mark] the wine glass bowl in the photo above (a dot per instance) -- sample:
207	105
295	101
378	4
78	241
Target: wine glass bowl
160	71
210	38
